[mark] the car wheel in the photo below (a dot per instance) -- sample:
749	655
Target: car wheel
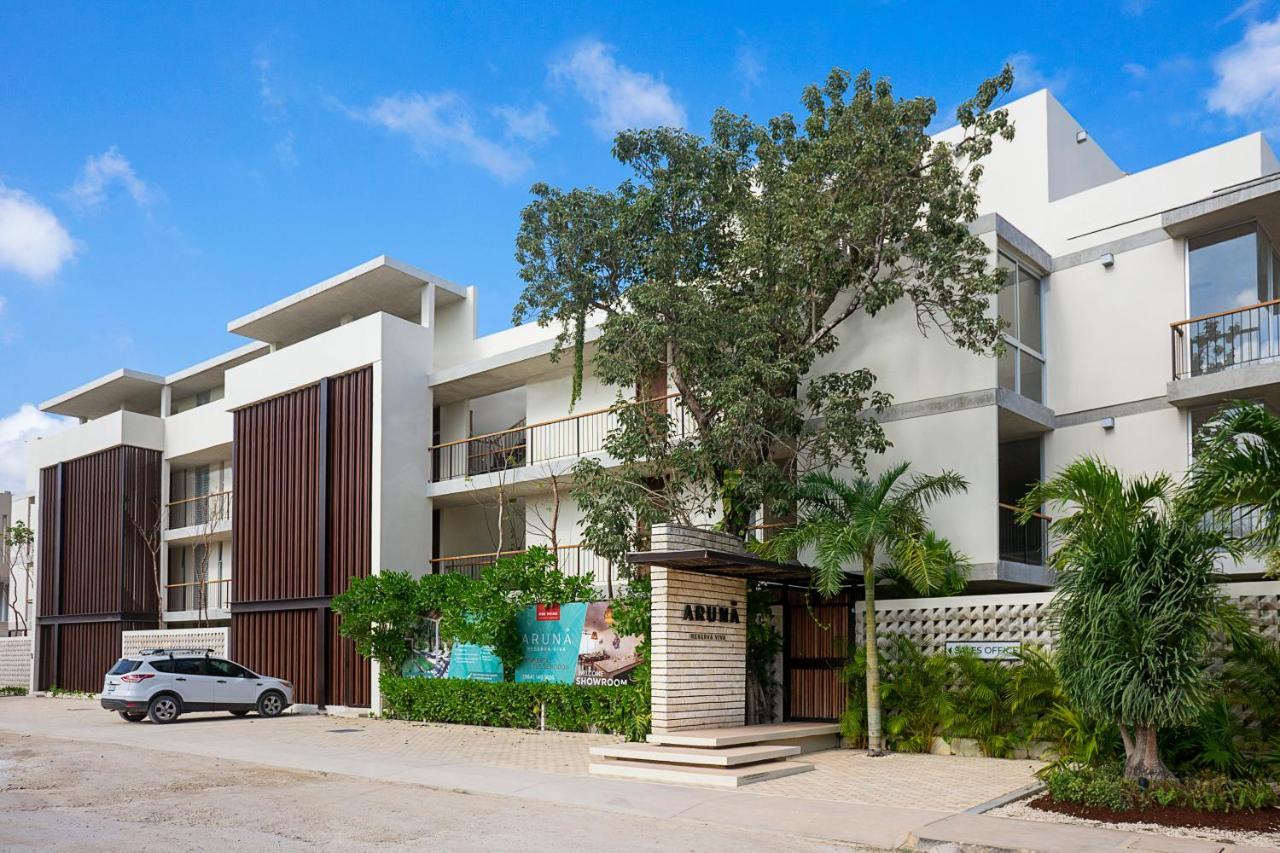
133	716
164	709
240	712
271	703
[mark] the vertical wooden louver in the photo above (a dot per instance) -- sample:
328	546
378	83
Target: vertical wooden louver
96	574
303	528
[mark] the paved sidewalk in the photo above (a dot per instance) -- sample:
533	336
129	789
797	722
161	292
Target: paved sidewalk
884	802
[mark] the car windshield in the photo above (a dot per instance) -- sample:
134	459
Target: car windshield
124	665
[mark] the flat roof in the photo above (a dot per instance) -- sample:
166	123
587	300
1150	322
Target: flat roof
710	562
120	389
210	372
382	284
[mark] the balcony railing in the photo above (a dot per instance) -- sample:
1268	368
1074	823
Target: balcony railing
1023	543
198	595
1227	339
572	560
214	508
529	444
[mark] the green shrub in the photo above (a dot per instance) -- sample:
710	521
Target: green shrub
620	710
1106	787
13	690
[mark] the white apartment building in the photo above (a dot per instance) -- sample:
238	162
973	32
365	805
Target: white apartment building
365	426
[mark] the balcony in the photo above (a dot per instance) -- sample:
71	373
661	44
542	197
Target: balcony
546	441
204	511
1023	543
1212	343
198	597
571	560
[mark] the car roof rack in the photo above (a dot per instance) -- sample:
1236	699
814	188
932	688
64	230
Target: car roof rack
172	652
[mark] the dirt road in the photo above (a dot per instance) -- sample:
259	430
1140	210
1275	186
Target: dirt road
63	794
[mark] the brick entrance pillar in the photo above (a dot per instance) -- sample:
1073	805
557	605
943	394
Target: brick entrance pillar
699	649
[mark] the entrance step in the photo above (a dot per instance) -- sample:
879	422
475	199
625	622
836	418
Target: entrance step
810	737
732	756
714	777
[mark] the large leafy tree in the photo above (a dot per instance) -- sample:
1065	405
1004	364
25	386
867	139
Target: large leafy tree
1237	472
729	265
1137	607
864	521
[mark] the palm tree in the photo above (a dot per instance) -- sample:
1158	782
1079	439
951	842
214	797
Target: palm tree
1137	606
867	519
1237	470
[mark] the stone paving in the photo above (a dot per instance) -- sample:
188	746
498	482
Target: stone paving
934	782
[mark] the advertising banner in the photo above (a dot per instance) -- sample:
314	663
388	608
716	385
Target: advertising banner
572	643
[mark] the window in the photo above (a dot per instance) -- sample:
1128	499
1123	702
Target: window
189	666
1020	305
1231	268
227	669
163	665
124	665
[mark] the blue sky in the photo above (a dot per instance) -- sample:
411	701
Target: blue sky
167	167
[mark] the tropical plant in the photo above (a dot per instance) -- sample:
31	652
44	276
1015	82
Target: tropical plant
1137	606
917	699
860	522
728	265
1237	470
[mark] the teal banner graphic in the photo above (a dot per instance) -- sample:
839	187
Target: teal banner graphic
551	634
474	663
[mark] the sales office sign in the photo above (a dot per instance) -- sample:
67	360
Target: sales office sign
711	614
986	649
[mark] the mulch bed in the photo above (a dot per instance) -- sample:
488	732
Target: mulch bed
1263	820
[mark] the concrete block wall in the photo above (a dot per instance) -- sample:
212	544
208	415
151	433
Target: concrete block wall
675	537
15	661
176	638
699	666
1024	617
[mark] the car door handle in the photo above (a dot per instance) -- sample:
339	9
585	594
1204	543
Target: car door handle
179	679
222	681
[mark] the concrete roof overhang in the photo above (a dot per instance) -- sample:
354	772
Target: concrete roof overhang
210	373
1257	199
711	562
382	284
121	389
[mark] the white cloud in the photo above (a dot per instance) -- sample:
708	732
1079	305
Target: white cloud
16	429
1136	8
1248	74
532	125
274	108
1028	76
749	65
622	98
104	172
439	122
32	240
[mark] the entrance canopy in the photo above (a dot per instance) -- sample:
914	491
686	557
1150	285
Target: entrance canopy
709	561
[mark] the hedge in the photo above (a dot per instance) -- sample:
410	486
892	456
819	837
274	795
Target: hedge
620	710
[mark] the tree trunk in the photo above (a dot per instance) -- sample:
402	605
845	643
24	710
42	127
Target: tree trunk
1143	760
875	735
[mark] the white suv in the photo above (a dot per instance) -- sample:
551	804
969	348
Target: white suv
164	683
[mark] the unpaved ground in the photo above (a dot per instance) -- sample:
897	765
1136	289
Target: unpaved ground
60	794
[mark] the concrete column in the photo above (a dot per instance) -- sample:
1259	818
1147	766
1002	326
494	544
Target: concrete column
428	314
699	650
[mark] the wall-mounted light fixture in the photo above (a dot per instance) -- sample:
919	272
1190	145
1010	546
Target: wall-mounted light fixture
1108	260
1108	423
1082	136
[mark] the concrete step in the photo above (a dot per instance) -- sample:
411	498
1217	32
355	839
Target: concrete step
712	777
810	737
731	756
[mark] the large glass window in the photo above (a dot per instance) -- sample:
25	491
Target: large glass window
1229	269
1020	305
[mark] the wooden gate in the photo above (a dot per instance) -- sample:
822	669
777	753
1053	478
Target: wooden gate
817	646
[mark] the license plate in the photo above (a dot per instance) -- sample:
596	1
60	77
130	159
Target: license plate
111	688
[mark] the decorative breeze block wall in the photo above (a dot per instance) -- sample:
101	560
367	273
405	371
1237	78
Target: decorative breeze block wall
699	664
176	638
15	661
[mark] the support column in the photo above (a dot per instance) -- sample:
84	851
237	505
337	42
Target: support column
699	650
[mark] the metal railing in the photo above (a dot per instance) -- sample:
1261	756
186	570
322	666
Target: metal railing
1023	543
572	560
528	444
200	509
1236	338
198	595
